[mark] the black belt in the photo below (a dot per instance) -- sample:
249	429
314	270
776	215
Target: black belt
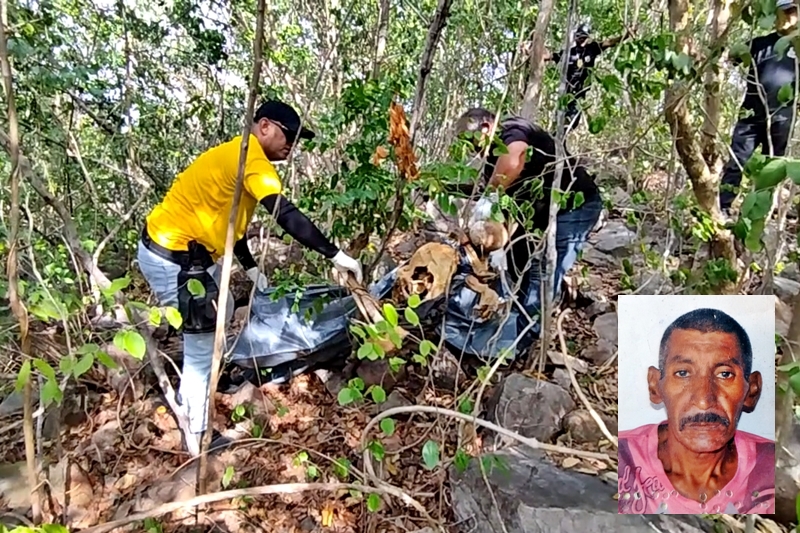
180	258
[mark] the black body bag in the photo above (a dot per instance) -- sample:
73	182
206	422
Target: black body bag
198	311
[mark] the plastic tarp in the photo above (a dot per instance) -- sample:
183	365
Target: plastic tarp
314	326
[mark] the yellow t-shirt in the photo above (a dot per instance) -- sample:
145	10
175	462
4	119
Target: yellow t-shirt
198	204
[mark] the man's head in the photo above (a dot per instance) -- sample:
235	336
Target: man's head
705	379
785	15
582	32
476	120
277	127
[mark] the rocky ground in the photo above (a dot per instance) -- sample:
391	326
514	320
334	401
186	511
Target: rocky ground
117	450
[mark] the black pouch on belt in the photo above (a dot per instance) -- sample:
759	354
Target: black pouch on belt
197	306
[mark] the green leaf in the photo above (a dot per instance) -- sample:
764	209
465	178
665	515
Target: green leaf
373	502
116	286
154	317
341	468
51	393
105	360
357	384
88	348
131	342
227	477
358	331
465	406
794	365
45	369
753	240
53	528
414	300
391	314
781	46
387	426
345	396
173	317
793	170
66	364
426	347
411	317
83	366
430	455
794	383
366	350
786	94
24	375
396	363
597	124
461	460
378	394
196	288
771	175
377	450
739	50
419	359
757	205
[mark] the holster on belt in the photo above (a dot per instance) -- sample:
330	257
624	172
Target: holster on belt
197	291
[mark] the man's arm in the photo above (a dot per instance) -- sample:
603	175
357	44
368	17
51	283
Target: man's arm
243	255
509	166
299	226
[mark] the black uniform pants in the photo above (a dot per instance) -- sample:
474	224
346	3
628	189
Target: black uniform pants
749	134
572	115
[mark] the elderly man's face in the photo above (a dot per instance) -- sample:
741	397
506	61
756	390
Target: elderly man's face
703	388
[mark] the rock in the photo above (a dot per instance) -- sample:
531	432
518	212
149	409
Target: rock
334	381
561	377
595	257
787	475
446	372
614	239
583	428
308	524
605	327
532	495
379	373
785	288
598	307
395	399
791	272
577	365
783	317
529	406
600	352
620	198
649	282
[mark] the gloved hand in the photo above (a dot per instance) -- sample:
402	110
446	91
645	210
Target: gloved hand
483	209
497	260
344	264
258	279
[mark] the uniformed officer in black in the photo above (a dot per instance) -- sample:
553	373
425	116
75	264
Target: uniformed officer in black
582	57
768	72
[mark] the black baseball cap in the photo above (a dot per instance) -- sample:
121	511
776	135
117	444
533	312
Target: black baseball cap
286	116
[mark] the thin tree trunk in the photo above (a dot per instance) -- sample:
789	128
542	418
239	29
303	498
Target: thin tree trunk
227	261
12	268
380	39
431	42
705	182
719	18
530	104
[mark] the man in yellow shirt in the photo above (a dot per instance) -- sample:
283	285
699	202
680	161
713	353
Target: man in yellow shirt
184	239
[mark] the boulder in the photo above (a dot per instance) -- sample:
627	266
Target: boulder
532	495
529	406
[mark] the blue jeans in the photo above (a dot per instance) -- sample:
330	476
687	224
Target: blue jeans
572	230
198	349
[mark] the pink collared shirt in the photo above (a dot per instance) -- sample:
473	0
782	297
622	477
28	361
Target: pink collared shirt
645	489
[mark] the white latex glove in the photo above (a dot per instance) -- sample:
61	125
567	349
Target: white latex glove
258	279
483	209
344	264
497	260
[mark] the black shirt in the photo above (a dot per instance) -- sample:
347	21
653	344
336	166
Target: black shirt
582	57
542	165
773	73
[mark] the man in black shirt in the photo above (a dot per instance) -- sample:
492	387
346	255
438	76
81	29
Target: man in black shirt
526	172
760	124
582	57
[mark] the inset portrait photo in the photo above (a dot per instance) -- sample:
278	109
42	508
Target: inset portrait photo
696	404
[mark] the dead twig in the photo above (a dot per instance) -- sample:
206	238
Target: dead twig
577	387
285	488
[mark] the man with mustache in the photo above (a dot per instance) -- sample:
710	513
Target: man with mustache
696	461
184	239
